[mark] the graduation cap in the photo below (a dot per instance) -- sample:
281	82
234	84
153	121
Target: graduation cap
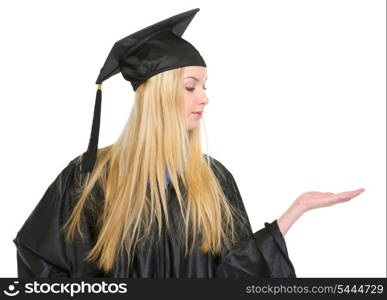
147	52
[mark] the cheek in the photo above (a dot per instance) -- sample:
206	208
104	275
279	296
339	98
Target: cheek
188	103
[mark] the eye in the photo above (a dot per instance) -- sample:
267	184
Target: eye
189	89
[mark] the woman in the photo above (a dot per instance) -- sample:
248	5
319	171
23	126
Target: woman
152	204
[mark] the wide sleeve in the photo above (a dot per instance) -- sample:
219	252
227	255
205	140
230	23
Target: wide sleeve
259	254
31	265
41	248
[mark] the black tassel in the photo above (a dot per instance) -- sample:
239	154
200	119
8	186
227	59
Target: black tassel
90	156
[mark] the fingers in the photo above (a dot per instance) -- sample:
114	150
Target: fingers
352	193
357	192
332	198
346	196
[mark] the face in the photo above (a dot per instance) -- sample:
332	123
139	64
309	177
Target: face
194	94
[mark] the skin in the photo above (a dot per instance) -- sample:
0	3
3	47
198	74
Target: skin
195	99
312	200
194	94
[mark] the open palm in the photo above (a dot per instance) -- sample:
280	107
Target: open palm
311	200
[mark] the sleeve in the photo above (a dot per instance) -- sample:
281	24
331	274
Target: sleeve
31	265
41	251
259	254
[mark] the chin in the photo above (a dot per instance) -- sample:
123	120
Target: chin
192	127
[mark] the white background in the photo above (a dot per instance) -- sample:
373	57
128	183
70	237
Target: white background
297	95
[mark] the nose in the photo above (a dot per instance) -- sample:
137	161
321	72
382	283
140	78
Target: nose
204	99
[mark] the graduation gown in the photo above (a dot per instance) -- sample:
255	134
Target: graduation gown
43	252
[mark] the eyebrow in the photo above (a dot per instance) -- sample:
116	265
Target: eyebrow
194	78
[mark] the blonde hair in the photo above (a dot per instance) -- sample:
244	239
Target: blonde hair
153	140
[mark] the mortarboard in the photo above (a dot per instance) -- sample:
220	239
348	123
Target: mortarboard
147	52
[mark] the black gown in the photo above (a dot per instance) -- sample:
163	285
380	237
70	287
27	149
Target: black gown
42	251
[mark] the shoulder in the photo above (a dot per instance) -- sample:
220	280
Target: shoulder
215	163
52	205
219	169
69	173
66	181
231	191
74	166
58	199
70	165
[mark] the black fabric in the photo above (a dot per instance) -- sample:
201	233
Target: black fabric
42	251
92	148
164	51
151	50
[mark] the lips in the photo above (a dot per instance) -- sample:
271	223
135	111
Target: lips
198	112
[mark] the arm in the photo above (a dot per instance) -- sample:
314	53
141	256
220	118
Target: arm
41	250
289	217
260	254
31	265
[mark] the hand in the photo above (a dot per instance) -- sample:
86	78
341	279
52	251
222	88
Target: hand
311	200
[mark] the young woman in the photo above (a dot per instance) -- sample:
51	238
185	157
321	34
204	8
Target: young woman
152	204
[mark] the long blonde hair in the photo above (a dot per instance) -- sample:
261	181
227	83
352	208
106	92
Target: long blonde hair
154	140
